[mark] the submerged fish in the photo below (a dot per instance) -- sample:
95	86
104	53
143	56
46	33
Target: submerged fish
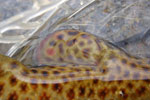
81	67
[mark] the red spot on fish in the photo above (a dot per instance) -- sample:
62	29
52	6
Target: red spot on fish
50	51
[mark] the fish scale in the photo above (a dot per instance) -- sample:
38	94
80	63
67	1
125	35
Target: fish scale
105	72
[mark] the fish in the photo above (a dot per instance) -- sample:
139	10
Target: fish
90	68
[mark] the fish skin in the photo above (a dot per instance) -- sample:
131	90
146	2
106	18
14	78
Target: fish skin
105	72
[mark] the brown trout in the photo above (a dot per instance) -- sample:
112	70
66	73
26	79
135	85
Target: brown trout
81	66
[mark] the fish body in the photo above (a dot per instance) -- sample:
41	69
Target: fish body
81	66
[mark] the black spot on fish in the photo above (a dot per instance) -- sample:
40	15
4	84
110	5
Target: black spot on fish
56	72
84	36
71	42
52	43
45	73
81	91
81	43
133	65
61	50
124	61
126	73
34	71
60	37
136	76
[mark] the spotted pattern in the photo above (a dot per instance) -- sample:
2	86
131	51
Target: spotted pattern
45	73
13	81
102	93
81	67
72	46
44	96
24	87
13	96
57	87
1	88
71	94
